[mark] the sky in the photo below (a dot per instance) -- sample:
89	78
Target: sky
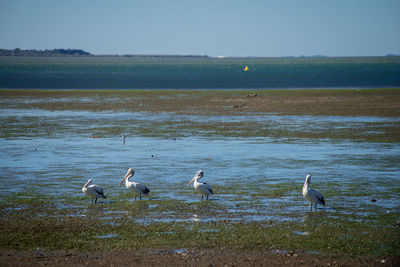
267	28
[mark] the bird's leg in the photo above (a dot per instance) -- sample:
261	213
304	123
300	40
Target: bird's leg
311	207
140	196
315	206
202	197
135	197
207	197
95	201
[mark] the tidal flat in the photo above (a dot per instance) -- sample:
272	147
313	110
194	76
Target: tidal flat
254	146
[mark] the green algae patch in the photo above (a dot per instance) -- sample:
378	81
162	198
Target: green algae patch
317	233
32	223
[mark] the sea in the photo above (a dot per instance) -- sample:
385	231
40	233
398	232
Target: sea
151	72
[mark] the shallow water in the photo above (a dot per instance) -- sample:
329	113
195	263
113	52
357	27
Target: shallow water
51	154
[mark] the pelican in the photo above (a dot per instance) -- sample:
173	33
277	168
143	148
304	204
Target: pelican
136	187
93	190
202	188
312	195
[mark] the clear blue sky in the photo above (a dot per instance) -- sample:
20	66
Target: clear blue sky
202	27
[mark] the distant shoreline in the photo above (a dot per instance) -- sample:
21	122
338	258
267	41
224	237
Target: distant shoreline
73	53
81	53
308	89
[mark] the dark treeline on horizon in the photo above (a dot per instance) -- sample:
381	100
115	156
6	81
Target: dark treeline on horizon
42	53
70	52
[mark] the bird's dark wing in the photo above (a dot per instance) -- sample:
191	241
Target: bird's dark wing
209	188
321	199
146	190
99	190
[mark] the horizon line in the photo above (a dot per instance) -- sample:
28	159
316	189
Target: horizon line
83	53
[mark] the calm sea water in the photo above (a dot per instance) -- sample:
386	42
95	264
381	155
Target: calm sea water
198	73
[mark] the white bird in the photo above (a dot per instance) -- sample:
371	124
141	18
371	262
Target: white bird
123	139
312	195
202	188
136	187
93	190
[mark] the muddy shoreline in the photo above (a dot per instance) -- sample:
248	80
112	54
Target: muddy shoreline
323	102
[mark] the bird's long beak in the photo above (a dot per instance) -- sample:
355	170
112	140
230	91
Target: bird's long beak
127	176
194	178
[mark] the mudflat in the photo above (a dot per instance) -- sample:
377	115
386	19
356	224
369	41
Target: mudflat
36	232
323	102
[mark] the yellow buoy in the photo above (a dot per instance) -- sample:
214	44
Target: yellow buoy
246	68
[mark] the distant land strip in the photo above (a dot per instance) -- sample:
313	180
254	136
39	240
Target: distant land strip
17	52
42	53
71	53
